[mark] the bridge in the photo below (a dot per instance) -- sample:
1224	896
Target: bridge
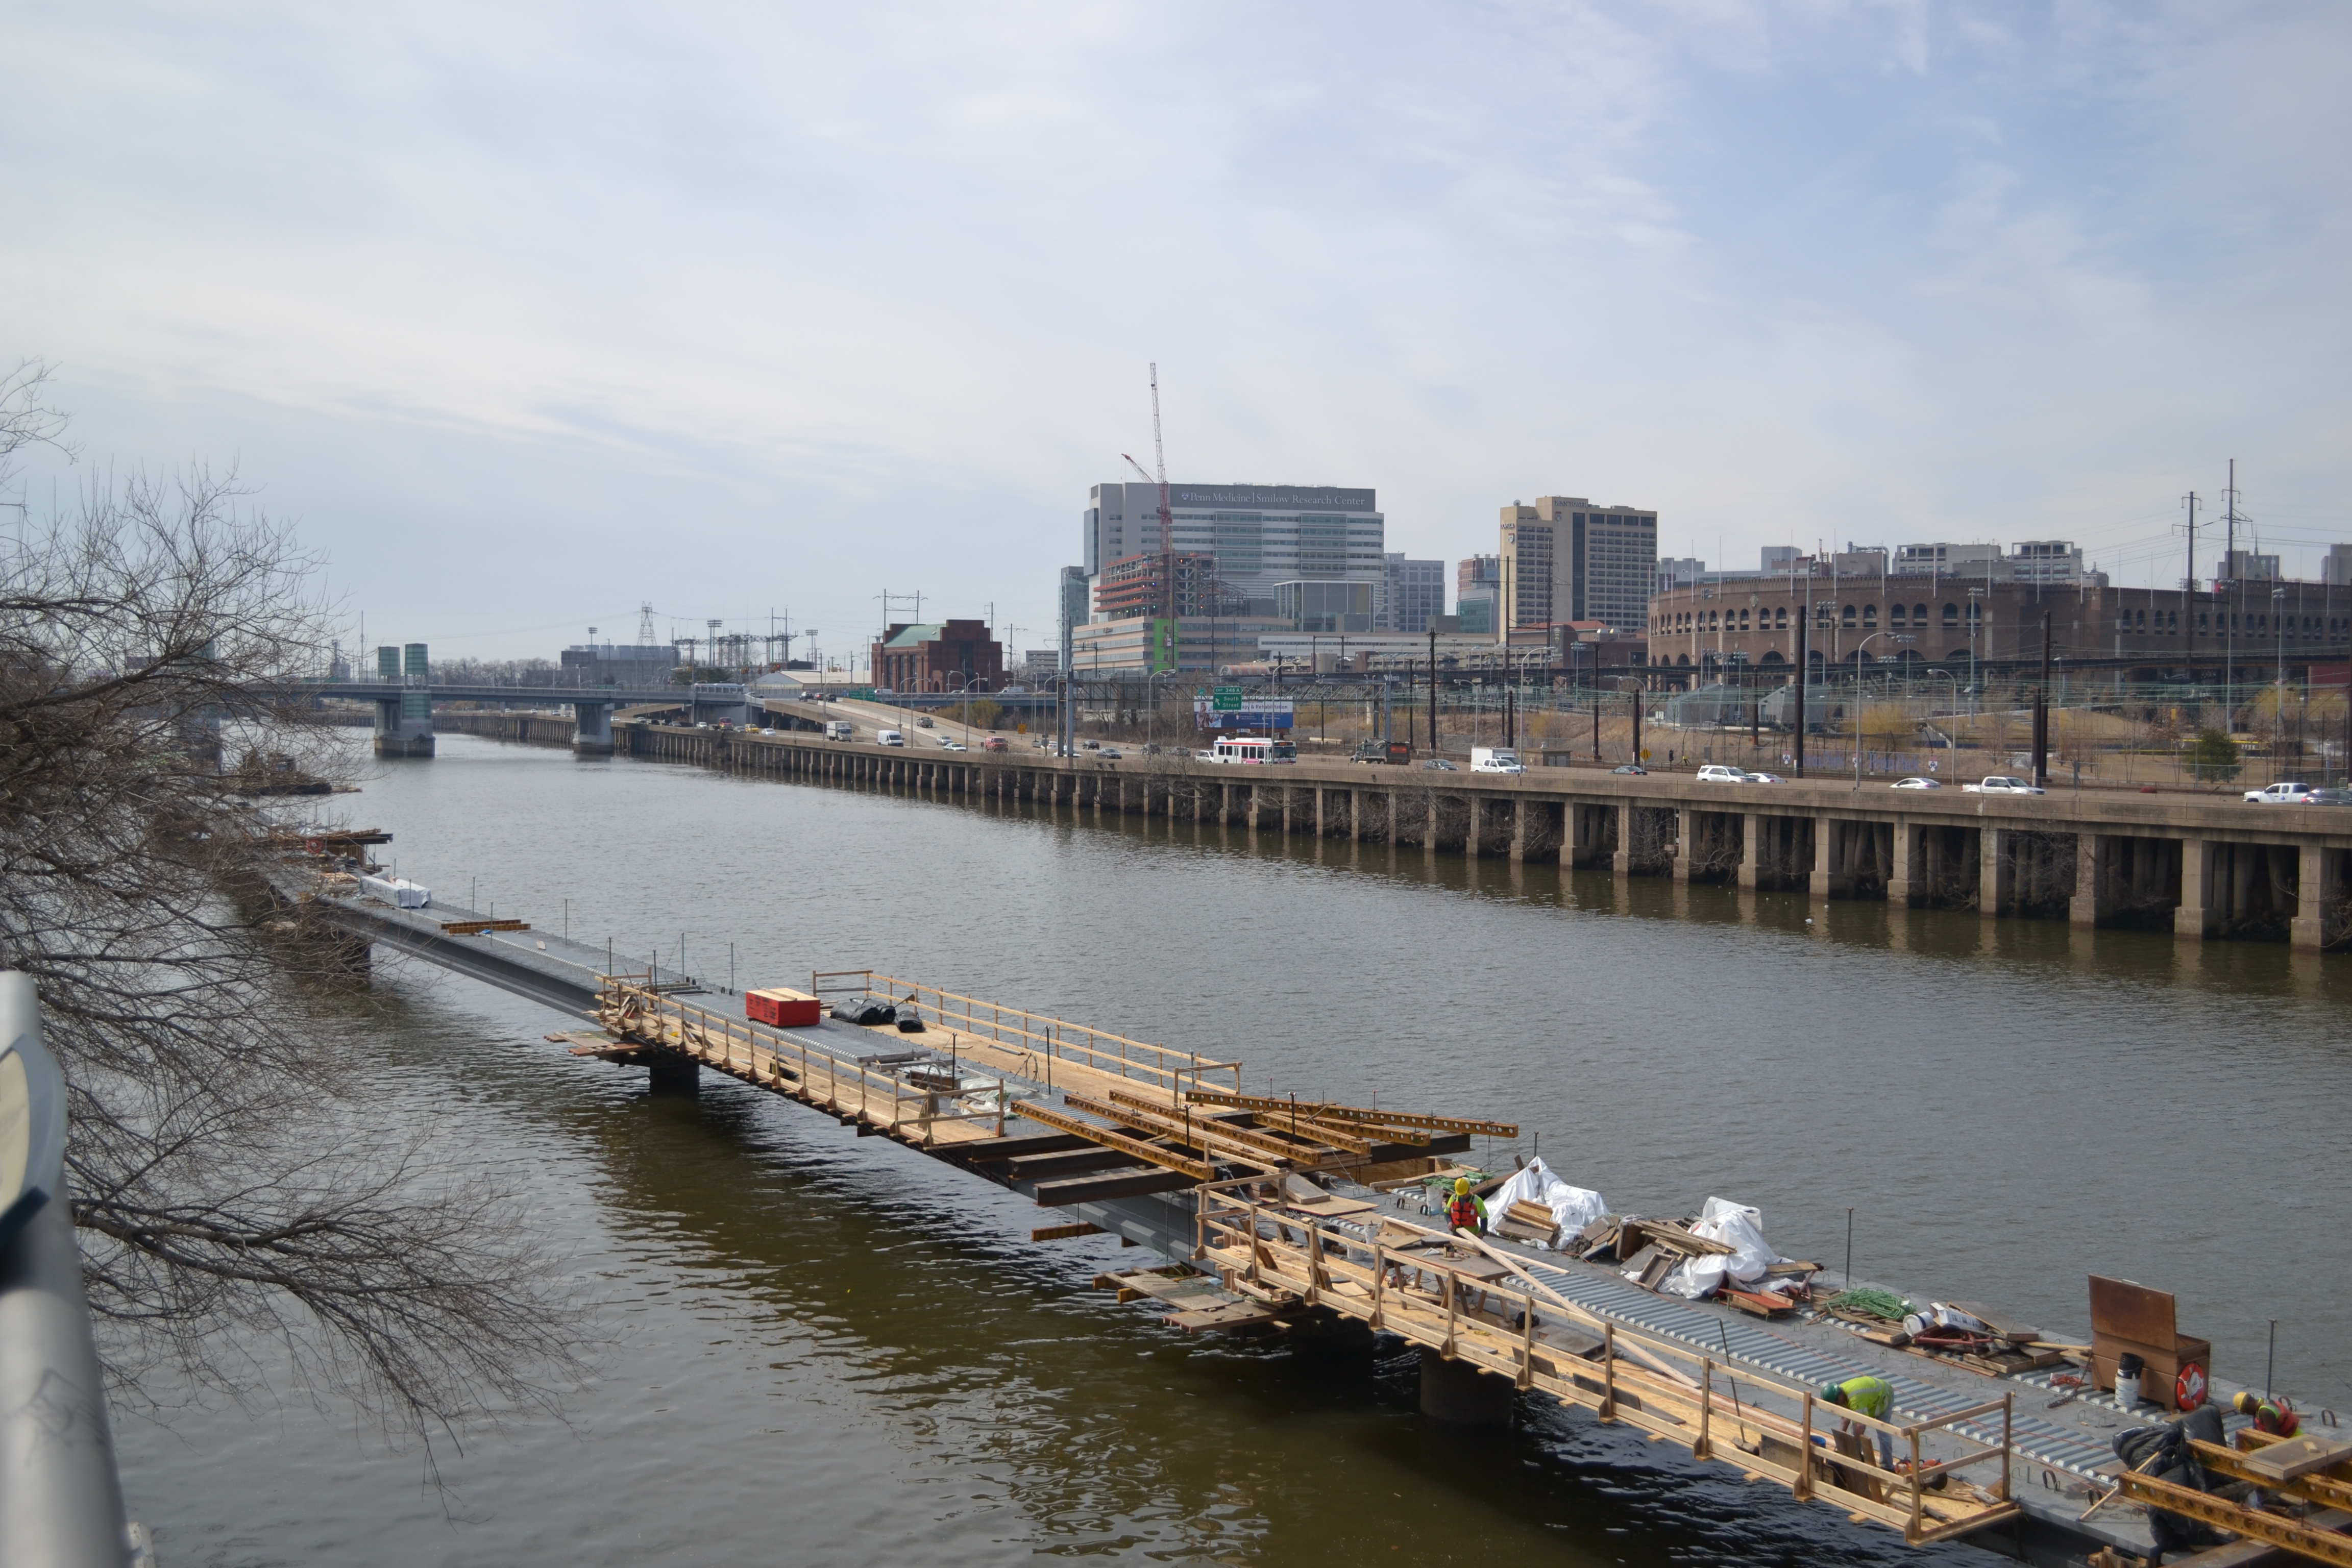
1271	1217
404	723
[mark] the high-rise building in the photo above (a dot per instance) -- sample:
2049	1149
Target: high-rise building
1476	573
1414	591
1074	606
1261	536
1565	558
2338	566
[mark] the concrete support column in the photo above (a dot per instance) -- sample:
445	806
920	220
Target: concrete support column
1902	877
1518	851
1355	816
2315	894
1823	881
2197	916
1251	809
1752	831
1475	829
1622	862
1683	814
592	729
2088	906
1996	872
1460	1394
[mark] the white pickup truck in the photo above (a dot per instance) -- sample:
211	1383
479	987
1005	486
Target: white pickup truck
2280	794
2003	783
1495	759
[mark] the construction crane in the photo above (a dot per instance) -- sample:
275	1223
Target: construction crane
1168	600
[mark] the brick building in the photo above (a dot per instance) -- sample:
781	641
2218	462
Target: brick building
943	655
1892	617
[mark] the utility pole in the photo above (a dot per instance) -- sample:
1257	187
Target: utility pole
2188	587
1433	693
2042	711
1804	669
2229	568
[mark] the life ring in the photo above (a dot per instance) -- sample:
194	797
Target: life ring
2188	1388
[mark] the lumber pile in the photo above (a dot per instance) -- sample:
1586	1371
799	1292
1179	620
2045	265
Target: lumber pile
1526	1221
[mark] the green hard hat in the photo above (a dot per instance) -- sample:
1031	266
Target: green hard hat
1835	1392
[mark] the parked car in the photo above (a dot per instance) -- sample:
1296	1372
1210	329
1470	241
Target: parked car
994	744
1634	768
1917	781
1439	765
1716	772
2280	794
2003	783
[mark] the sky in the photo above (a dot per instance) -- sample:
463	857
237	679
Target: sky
527	315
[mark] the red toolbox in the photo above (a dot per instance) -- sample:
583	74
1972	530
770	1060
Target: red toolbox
782	1008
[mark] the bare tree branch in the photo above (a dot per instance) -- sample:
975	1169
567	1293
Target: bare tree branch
229	1191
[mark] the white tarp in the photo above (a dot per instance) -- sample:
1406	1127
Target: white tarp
1741	1227
397	891
1572	1207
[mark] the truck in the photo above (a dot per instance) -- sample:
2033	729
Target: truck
1396	752
2003	783
838	730
1495	759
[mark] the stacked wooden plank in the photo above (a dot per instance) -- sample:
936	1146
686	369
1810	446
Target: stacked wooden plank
1526	1221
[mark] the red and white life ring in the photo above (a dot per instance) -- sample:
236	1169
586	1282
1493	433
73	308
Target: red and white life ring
2188	1388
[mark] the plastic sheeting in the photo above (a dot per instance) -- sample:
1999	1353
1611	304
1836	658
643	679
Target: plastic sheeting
1572	1207
1740	1227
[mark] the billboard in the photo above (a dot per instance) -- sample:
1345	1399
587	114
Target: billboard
1250	712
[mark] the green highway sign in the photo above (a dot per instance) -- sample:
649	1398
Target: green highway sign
1227	699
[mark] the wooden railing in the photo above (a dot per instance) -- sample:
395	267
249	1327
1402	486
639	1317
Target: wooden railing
1644	1380
844	1085
1166	1068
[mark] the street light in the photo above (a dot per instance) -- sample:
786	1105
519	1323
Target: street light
1151	712
1864	643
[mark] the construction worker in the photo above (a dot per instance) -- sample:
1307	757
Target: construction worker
2271	1415
1865	1395
1465	1212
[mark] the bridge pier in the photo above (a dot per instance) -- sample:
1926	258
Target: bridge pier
1463	1396
673	1072
593	727
404	725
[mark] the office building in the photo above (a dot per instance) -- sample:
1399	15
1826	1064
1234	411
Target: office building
1075	600
1326	606
2245	566
2338	566
623	664
1565	558
1414	592
1259	536
1137	585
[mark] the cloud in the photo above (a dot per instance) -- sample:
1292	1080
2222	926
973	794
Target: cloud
827	299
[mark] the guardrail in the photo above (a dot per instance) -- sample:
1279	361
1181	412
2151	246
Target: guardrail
60	1494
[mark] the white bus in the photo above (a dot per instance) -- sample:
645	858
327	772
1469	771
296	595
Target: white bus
1254	749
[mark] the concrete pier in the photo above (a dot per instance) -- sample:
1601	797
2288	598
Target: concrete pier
2205	868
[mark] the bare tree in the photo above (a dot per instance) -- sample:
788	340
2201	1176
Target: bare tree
239	1220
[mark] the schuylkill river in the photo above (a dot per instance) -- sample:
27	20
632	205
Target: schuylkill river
827	1349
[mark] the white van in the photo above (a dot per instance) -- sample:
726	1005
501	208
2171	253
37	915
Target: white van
1495	759
890	737
838	730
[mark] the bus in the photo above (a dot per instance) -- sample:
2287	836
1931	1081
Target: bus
1254	749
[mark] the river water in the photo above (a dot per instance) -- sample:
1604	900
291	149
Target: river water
826	1348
